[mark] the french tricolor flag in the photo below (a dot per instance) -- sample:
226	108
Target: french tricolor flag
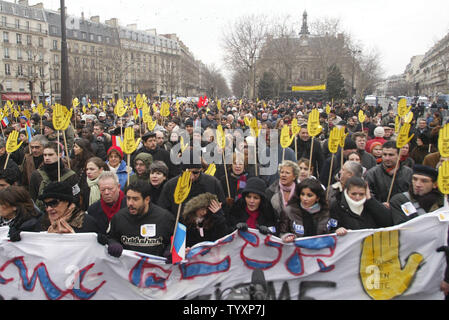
138	112
116	141
179	244
5	122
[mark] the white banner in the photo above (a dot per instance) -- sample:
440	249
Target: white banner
400	262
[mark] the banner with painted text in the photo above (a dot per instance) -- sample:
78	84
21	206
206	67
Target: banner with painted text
400	262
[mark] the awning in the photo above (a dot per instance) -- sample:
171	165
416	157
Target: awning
16	96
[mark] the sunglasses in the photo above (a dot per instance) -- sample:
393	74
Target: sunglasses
195	172
53	204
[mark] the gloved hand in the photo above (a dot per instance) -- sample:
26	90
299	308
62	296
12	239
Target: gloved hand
115	249
102	239
242	226
14	235
264	230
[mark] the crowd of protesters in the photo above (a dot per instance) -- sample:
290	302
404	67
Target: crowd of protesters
87	185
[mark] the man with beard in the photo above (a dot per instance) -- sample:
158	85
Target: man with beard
35	160
379	178
142	226
422	197
49	173
304	144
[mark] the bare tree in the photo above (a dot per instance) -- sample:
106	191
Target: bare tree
369	73
242	42
215	82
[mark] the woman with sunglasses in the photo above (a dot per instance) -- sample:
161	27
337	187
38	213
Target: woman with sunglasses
62	215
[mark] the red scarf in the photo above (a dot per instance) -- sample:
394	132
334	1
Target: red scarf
111	211
252	220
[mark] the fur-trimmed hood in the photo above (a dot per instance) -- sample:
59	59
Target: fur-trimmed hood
198	202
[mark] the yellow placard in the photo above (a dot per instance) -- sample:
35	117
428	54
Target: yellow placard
309	88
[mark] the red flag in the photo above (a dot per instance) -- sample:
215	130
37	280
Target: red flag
201	102
206	101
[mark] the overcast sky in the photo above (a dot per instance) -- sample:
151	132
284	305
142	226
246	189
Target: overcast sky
398	29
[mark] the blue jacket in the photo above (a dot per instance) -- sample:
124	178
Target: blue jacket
122	174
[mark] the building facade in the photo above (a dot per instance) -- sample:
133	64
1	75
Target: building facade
106	60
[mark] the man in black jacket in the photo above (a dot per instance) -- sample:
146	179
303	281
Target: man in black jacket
142	226
304	144
379	178
150	146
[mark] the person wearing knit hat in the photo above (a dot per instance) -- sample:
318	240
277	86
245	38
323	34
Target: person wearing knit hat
142	164
379	133
376	150
422	148
117	164
253	209
158	178
422	197
63	216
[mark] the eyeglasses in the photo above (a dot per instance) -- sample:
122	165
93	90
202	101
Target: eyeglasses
53	204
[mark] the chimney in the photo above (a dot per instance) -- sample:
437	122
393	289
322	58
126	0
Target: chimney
39	5
24	3
95	19
112	22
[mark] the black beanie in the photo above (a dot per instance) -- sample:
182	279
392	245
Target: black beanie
350	145
255	185
57	190
426	171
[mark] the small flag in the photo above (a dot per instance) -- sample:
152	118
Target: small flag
29	131
5	122
116	141
179	244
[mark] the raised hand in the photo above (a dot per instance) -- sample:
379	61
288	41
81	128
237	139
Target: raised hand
221	138
313	124
183	187
382	275
295	127
362	116
443	141
403	137
343	135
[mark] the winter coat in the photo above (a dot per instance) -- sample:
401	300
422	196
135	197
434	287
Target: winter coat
303	151
214	224
399	216
28	167
148	233
80	222
420	152
122	174
301	223
274	195
203	184
374	215
379	181
163	155
431	160
96	212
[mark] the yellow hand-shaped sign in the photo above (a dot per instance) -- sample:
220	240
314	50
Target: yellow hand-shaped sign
247	121
397	124
129	143
362	116
151	123
402	108
343	136
408	117
313	124
183	187
328	109
184	146
286	139
120	108
382	275
334	140
11	144
165	109
221	138
295	127
219	104
211	170
254	128
68	118
75	102
403	137
443	177
443	141
40	109
139	101
60	117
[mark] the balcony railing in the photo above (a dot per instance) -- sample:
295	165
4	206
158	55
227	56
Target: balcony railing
13	26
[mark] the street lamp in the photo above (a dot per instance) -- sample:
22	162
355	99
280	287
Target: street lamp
65	84
353	52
